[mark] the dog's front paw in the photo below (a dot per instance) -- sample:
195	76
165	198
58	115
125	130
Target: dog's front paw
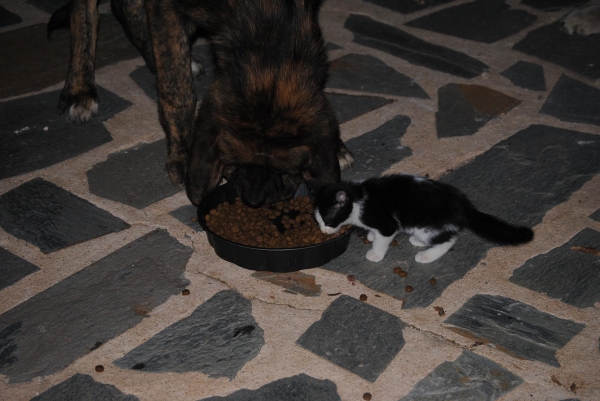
345	157
176	170
374	256
78	108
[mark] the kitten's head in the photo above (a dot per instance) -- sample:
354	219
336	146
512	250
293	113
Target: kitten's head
333	207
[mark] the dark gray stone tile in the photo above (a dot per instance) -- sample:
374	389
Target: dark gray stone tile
355	336
83	388
201	53
551	5
348	107
51	218
296	388
518	179
375	151
94	305
573	101
486	21
188	215
595	215
13	268
576	53
42	62
387	38
470	377
567	272
407	7
217	339
7	18
526	75
464	109
513	327
136	177
36	137
368	74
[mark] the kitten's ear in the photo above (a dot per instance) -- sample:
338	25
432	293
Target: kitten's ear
341	197
314	185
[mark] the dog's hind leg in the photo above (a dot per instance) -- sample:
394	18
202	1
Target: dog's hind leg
78	99
131	14
174	80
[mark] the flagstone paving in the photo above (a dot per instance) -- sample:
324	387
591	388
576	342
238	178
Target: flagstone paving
110	290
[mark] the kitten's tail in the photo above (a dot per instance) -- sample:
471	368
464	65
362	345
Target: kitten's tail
495	230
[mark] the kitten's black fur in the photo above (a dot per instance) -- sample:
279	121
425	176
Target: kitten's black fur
432	212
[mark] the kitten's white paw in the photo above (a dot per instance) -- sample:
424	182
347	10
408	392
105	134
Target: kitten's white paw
427	256
374	256
416	242
370	236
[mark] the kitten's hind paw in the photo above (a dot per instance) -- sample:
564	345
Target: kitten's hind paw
370	236
374	256
416	242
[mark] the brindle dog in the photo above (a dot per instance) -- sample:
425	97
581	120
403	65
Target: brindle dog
266	107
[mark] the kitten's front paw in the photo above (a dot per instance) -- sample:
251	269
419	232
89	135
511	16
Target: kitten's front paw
374	256
370	236
415	241
425	257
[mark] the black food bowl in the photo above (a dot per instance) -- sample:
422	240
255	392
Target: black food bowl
278	260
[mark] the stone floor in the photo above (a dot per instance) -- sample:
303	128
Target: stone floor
110	290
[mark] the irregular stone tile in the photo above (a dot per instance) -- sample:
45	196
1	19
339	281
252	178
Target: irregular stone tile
355	336
296	388
348	107
83	388
595	215
407	7
329	46
568	272
294	282
188	215
51	218
44	62
368	32
576	53
201	53
464	109
13	268
486	21
136	177
368	74
519	179
513	327
7	18
573	101
376	151
36	137
217	339
526	75
92	306
469	377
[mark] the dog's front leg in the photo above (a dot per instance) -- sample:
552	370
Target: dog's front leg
78	99
174	80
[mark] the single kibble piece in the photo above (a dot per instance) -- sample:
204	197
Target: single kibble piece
394	243
433	281
99	368
408	288
185	292
397	270
367	396
366	241
363	297
403	273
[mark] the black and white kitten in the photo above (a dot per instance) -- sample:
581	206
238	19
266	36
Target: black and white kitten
431	212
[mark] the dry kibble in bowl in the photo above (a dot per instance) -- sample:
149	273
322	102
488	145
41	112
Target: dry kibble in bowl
288	224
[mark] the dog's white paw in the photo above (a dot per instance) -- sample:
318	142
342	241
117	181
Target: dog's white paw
197	68
370	236
374	256
416	242
345	158
82	111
